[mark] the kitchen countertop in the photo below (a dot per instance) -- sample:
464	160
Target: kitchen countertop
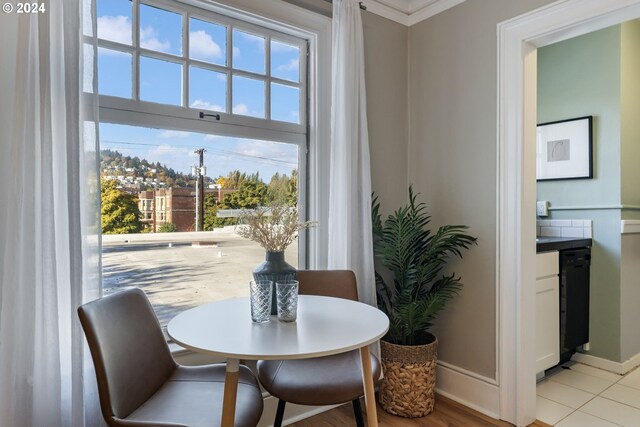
546	244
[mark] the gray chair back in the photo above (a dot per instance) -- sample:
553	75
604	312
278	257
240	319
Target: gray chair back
131	356
330	283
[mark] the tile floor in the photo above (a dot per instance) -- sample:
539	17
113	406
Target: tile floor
578	395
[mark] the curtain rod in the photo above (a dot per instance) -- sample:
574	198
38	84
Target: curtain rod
362	6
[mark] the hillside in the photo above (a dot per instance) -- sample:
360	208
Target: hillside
133	172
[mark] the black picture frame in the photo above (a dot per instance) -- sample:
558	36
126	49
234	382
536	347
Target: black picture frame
564	149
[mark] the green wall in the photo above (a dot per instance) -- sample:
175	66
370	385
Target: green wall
630	118
598	74
581	77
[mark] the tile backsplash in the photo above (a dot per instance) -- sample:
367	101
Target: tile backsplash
564	228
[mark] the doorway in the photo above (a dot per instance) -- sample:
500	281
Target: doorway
518	41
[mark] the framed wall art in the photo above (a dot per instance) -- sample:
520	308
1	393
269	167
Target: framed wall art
565	149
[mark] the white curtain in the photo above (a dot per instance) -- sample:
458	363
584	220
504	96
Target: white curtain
350	240
49	260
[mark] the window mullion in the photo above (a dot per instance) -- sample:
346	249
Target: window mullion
267	83
185	53
135	39
207	66
230	67
285	82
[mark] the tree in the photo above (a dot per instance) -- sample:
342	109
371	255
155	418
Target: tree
119	210
283	190
211	219
167	228
249	195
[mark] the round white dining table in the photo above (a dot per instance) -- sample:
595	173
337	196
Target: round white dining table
324	326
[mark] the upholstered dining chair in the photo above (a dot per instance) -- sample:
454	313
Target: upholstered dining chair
328	380
139	383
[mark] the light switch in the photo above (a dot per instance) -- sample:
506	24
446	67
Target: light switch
542	208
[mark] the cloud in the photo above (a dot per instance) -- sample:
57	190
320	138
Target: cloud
240	109
169	151
174	134
115	28
277	151
213	137
206	105
202	45
258	41
149	40
236	52
118	29
292	65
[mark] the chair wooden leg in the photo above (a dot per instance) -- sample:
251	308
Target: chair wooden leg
357	412
279	413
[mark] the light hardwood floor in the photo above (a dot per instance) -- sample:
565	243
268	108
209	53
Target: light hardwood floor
447	413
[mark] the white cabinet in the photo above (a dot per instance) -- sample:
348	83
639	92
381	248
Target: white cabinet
547	311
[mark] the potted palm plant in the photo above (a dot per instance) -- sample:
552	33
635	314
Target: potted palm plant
412	289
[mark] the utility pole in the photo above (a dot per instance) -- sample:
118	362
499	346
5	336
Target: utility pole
200	173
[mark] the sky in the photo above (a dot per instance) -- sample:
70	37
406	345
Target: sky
161	82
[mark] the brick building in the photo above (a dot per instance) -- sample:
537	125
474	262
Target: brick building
172	206
168	206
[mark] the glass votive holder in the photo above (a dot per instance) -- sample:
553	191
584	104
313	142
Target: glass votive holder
260	298
287	300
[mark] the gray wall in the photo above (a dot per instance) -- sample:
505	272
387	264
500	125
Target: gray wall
572	84
452	158
386	59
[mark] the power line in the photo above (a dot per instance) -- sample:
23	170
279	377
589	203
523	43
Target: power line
231	153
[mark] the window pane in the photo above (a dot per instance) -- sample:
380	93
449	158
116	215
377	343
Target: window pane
207	42
207	89
146	173
114	73
248	52
114	20
285	103
248	97
160	30
160	81
285	61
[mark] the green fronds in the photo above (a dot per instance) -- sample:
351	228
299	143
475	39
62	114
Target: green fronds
414	258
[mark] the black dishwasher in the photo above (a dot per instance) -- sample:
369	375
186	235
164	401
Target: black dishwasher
574	300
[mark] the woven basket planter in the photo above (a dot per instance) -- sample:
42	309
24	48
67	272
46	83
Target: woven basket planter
408	386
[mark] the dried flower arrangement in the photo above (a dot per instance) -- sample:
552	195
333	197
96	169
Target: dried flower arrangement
273	228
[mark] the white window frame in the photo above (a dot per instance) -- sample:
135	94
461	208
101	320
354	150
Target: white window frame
311	136
230	124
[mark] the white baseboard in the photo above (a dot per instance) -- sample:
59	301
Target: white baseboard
608	365
465	387
469	389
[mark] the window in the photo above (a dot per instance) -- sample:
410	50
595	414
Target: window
193	60
174	79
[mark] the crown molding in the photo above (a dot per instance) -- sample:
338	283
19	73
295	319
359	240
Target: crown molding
409	12
382	8
431	9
